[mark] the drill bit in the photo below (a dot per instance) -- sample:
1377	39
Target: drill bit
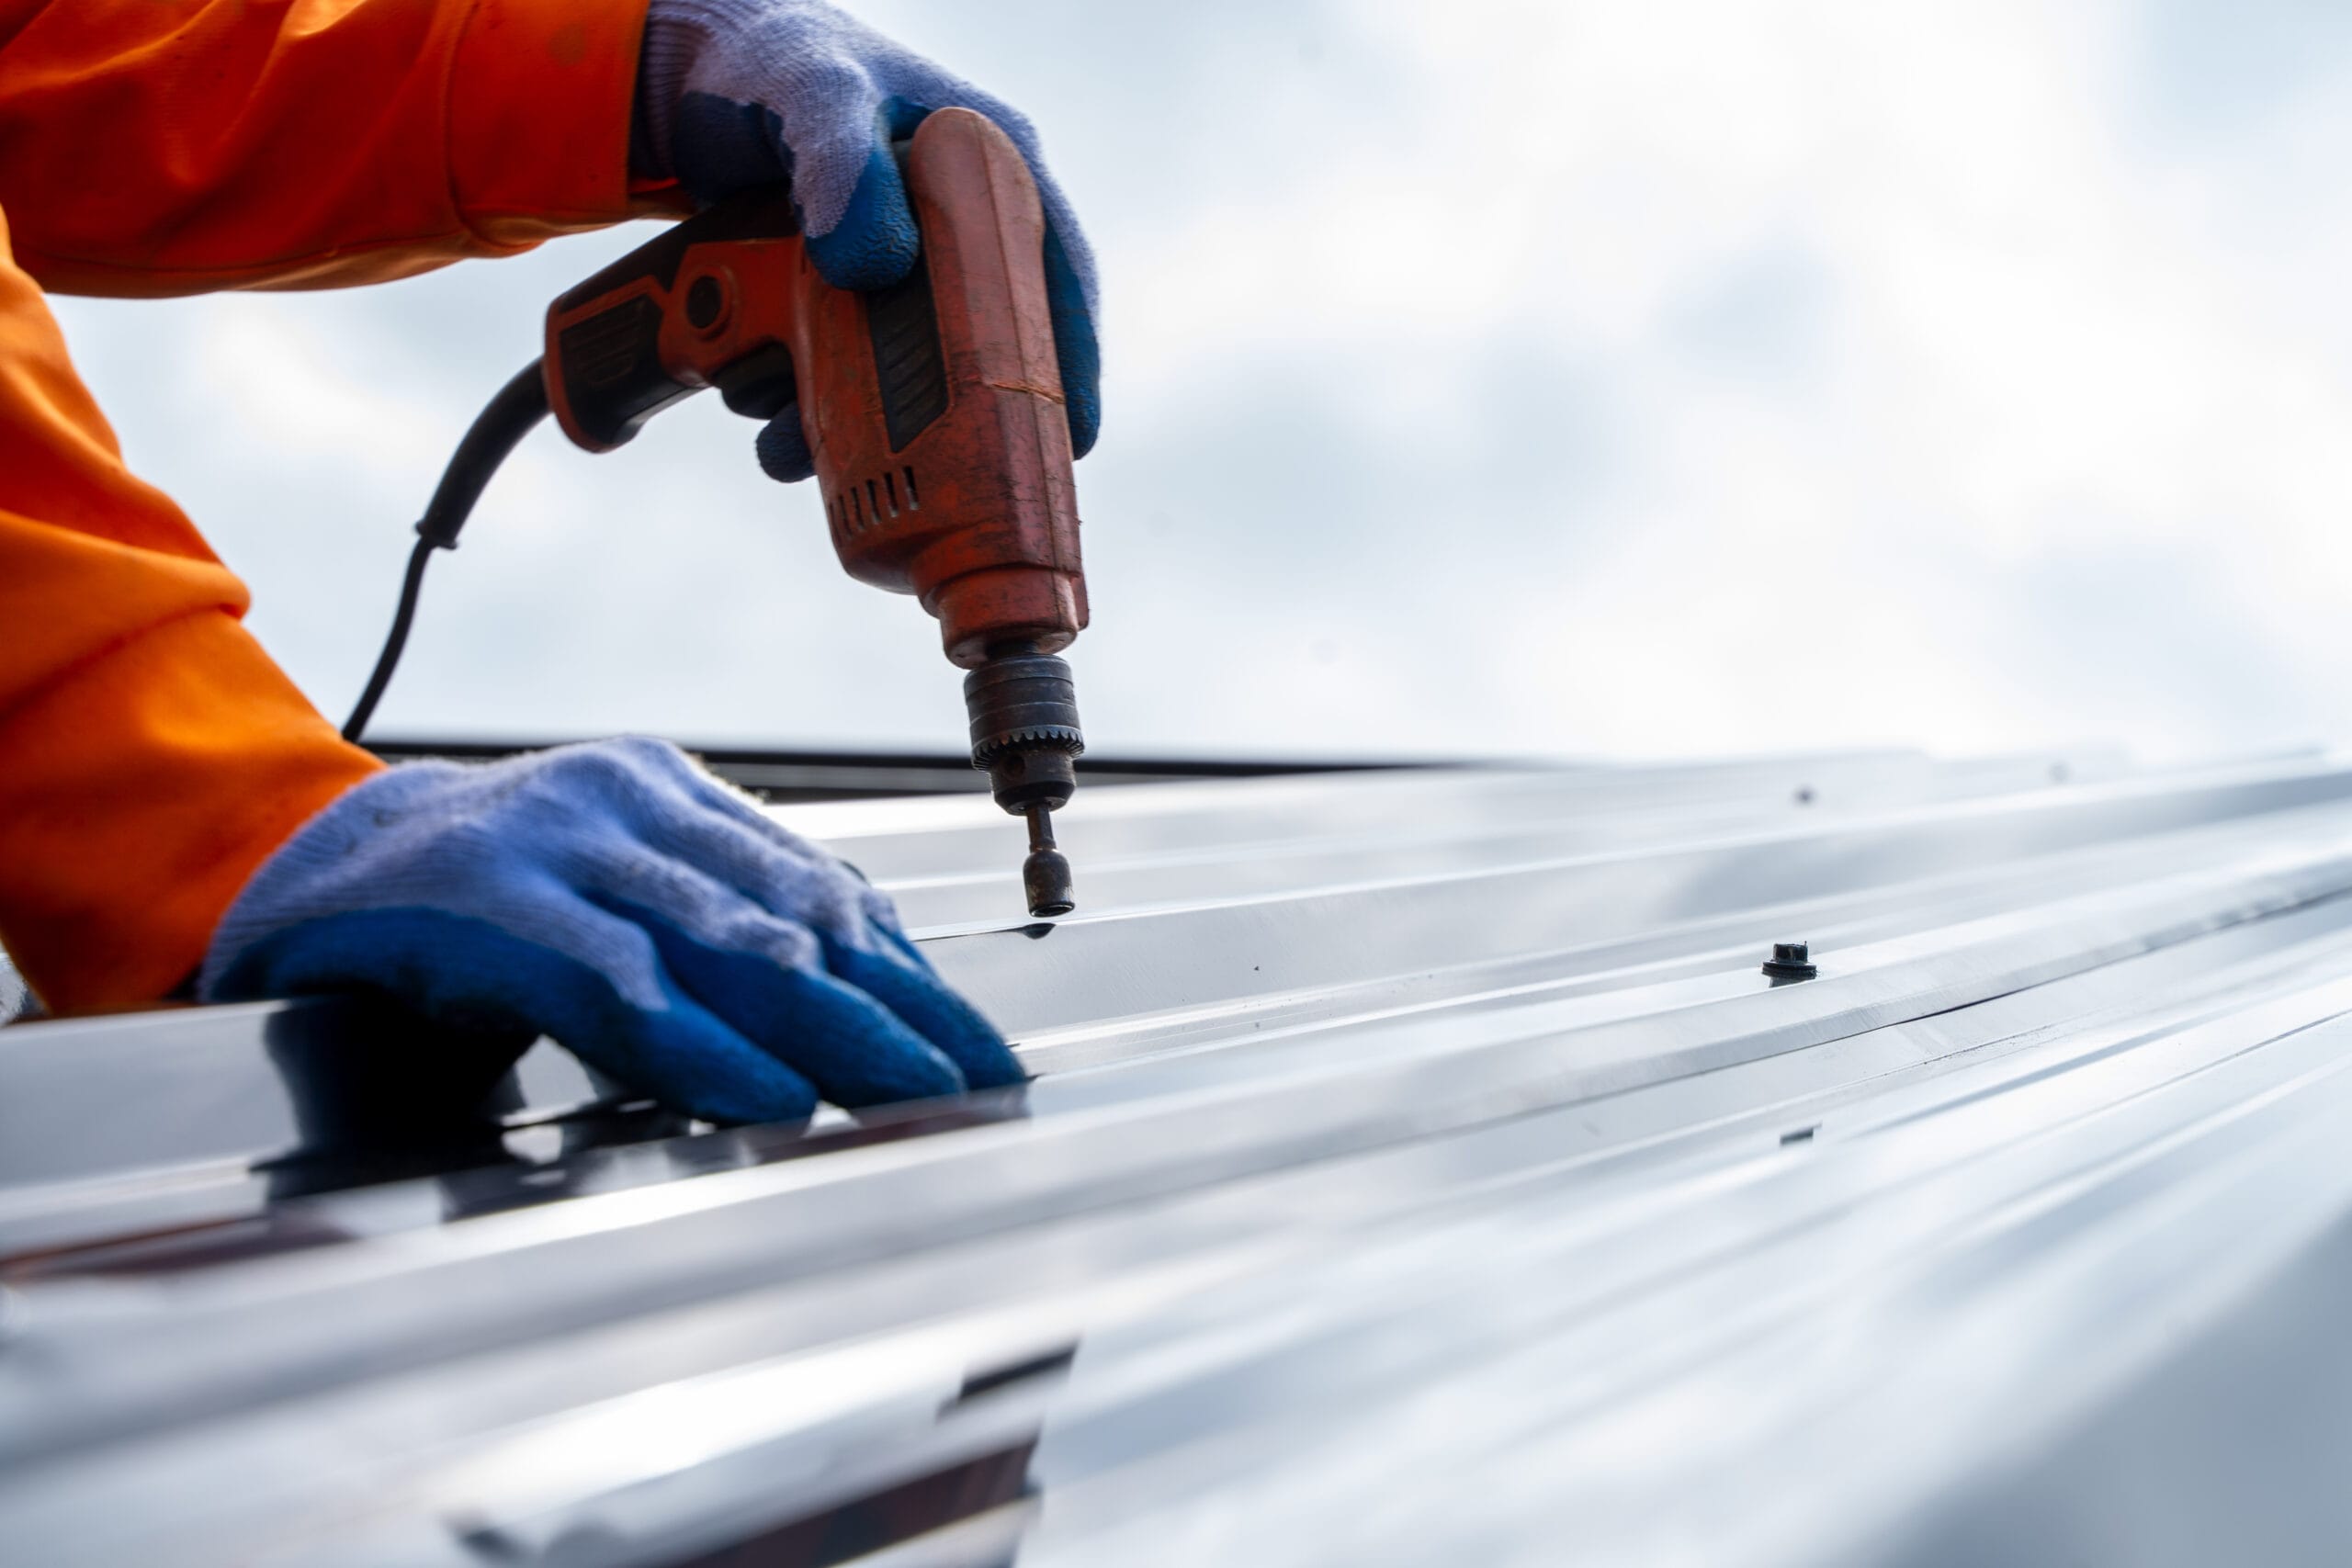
1045	875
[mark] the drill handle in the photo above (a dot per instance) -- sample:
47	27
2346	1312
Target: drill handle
607	371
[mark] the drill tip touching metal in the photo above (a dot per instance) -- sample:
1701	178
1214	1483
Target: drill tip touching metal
1045	875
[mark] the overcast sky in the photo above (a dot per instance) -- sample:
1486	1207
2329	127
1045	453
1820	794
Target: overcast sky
1610	380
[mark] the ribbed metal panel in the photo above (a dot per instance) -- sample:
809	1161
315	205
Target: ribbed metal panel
1422	1171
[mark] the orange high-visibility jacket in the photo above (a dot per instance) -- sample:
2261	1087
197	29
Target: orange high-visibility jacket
150	754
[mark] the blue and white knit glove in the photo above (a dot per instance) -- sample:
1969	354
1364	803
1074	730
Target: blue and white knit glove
616	896
733	94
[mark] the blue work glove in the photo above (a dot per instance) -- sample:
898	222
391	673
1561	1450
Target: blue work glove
733	94
619	898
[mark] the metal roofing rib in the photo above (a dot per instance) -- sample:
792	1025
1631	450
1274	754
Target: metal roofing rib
1422	1171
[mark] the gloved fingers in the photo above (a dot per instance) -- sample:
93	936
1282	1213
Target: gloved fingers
603	995
1075	345
691	1059
1071	289
800	91
706	789
870	242
905	944
913	991
736	146
712	866
874	244
853	1048
673	803
732	839
714	905
738	956
783	448
1070	279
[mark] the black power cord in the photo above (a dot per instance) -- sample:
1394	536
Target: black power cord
503	423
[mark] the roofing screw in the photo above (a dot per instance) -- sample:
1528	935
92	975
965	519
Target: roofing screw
1790	961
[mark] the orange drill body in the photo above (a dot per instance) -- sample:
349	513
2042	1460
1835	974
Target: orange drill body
933	408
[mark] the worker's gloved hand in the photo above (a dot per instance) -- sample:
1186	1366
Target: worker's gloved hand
619	898
733	94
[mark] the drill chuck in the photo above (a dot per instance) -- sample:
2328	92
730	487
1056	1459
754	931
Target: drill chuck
1023	709
1025	736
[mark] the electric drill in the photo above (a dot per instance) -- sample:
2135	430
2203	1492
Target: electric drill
934	409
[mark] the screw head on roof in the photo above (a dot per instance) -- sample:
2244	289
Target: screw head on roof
1790	961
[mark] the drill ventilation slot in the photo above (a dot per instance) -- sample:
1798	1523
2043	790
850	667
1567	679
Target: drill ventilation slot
859	506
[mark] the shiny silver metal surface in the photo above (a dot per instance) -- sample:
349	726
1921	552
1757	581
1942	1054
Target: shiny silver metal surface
1422	1170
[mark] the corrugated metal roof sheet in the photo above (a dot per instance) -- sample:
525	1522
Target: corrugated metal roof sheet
1423	1171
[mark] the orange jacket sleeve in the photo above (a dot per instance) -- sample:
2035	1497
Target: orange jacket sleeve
150	754
171	146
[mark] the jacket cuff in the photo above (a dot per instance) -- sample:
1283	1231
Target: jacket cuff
542	95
